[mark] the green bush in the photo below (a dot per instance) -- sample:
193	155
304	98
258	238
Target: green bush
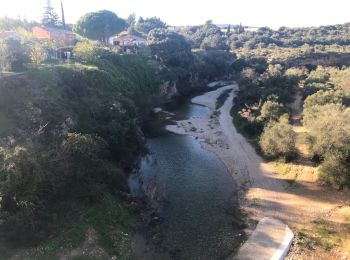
334	170
68	134
278	140
271	111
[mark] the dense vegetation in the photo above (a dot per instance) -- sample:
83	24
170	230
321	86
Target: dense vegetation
70	133
263	109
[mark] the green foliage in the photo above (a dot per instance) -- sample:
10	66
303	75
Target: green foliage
197	34
37	54
320	75
213	42
271	111
213	64
170	48
131	20
86	51
329	140
49	16
67	134
335	170
321	98
222	98
111	219
277	140
99	25
14	56
266	88
144	26
10	24
4	62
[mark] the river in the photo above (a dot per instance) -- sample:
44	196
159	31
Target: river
191	195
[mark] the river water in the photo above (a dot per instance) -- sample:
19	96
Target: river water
192	195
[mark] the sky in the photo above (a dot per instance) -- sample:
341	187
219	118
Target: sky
272	13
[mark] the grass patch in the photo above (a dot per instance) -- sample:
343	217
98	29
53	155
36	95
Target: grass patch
216	114
112	221
320	234
222	98
293	172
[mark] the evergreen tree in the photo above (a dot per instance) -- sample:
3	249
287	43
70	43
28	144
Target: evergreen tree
50	17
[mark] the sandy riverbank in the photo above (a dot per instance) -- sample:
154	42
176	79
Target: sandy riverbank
262	192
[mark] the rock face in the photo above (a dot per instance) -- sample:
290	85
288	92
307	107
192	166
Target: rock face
270	240
168	89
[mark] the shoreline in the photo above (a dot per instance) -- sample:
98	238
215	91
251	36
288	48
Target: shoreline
261	191
211	136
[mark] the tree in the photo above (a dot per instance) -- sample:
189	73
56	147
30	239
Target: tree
213	63
170	47
99	25
271	111
329	140
49	17
146	25
131	20
86	51
278	140
335	170
4	63
37	54
16	55
213	42
322	98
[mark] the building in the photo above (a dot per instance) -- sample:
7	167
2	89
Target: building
10	35
62	37
127	43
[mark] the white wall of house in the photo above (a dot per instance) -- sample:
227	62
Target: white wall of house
127	40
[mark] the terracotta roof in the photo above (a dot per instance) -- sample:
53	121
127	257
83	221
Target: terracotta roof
54	30
5	34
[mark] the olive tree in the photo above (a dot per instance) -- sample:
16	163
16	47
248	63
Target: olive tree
278	140
329	140
271	111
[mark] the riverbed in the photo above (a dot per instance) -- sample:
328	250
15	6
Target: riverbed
190	193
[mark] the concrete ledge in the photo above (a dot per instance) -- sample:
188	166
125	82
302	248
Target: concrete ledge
283	250
271	240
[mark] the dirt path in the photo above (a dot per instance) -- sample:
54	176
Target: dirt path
263	193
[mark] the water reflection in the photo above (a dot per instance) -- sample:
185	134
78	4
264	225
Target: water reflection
194	193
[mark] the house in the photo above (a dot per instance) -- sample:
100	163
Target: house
127	43
62	37
10	35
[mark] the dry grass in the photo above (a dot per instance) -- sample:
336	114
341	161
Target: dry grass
295	172
324	238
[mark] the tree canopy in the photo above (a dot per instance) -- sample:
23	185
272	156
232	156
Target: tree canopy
146	25
49	16
170	47
99	25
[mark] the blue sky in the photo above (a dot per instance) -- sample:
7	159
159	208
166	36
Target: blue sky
273	13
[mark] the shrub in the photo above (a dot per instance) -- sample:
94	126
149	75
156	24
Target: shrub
278	140
335	170
271	111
